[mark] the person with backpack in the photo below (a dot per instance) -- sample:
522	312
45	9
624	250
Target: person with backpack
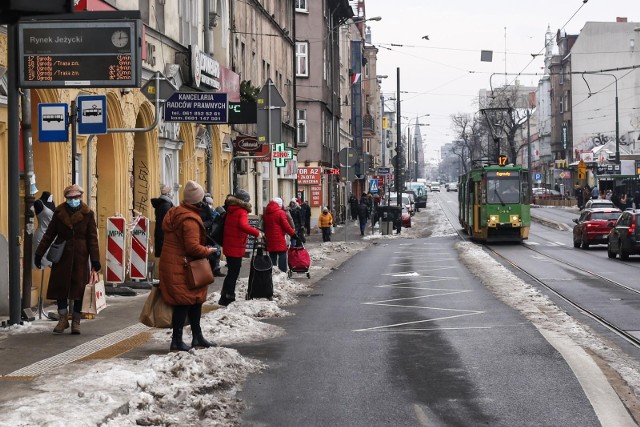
236	233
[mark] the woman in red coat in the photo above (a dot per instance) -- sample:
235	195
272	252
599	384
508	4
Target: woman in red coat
184	237
276	225
235	235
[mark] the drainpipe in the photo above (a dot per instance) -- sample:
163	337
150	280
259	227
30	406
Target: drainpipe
207	49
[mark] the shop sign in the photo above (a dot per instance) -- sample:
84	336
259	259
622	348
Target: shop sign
246	144
316	196
309	176
205	70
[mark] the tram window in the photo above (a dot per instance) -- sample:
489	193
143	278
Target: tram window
525	188
504	190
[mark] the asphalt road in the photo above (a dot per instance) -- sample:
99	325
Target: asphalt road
403	335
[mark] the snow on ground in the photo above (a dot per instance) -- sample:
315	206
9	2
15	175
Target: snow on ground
199	387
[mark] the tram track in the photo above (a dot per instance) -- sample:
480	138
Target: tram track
607	282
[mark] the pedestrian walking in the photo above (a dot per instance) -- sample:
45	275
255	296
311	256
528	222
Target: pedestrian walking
594	192
363	216
306	215
74	223
298	222
185	239
236	234
325	223
276	226
353	207
161	206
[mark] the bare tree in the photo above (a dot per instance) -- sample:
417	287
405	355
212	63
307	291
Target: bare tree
470	131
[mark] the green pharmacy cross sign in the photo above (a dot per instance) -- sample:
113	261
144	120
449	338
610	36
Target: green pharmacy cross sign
281	154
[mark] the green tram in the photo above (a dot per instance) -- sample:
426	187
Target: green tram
494	203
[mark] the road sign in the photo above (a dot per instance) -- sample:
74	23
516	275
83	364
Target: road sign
383	171
269	96
537	177
83	53
582	166
166	89
92	114
373	185
347	156
197	107
52	119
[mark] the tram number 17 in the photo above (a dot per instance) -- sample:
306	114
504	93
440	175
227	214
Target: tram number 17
502	160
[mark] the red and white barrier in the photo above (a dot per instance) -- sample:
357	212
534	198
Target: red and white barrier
139	248
115	249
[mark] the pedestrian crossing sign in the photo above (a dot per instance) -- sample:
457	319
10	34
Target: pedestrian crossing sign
373	185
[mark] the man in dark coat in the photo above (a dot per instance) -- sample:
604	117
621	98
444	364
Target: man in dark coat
74	223
363	215
298	220
353	206
161	205
306	215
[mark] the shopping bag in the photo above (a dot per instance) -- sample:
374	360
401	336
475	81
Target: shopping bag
156	313
94	299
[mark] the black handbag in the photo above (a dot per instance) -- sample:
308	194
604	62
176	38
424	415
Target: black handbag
55	251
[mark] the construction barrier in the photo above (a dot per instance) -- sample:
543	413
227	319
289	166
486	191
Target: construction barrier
139	249
115	249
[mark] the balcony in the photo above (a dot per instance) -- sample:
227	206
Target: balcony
368	123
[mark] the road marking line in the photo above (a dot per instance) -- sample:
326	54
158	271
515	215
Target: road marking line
421	416
418	321
419	297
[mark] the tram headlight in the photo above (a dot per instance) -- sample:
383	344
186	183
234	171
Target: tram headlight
493	220
515	219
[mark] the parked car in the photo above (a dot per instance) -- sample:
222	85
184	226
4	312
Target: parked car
546	193
624	239
407	201
593	226
452	186
599	203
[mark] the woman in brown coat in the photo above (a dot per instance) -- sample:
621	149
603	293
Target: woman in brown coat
184	237
75	223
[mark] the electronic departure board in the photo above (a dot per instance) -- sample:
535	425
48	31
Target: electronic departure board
79	54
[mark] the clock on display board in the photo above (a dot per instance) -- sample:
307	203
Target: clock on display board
120	38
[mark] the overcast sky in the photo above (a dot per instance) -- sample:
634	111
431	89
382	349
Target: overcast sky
443	74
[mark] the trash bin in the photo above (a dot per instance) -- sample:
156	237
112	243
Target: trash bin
390	218
386	227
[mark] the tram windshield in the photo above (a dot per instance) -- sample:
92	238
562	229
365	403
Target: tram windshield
503	189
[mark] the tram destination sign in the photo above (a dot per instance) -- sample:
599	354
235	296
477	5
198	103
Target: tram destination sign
68	54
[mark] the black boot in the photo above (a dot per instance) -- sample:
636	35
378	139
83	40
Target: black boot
199	341
218	273
226	299
176	342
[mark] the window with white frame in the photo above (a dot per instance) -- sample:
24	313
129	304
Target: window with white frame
301	6
302	59
301	121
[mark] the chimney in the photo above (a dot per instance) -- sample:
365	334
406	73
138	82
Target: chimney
621	19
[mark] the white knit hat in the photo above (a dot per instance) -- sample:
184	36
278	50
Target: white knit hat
278	200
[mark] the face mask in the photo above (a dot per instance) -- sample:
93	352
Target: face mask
74	203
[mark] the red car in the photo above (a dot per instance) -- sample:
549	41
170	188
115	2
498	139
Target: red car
593	226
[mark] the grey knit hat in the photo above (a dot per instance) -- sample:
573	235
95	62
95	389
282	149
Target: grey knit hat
242	195
193	192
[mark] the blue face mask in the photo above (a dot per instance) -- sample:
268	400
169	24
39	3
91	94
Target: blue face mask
74	203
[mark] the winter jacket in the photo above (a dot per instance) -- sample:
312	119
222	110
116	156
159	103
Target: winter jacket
306	212
161	205
296	215
275	227
183	238
325	220
363	212
78	228
237	228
